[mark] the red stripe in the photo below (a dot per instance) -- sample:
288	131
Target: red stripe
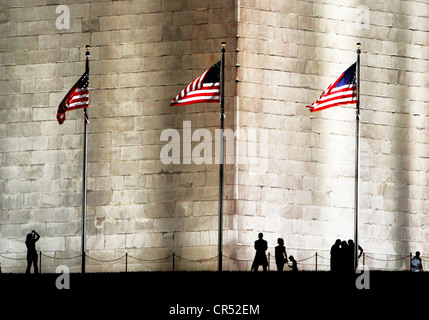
196	93
333	104
215	97
79	107
81	91
336	98
331	97
79	100
330	91
344	96
194	101
313	109
185	91
191	91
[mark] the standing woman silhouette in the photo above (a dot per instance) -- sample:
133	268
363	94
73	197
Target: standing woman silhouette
30	242
280	254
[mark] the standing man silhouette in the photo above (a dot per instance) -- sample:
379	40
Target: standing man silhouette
416	263
260	258
335	256
351	254
30	242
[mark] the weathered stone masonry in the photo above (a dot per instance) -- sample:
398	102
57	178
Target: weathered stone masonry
280	56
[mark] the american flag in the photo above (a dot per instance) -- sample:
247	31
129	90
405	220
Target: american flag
342	91
77	97
206	88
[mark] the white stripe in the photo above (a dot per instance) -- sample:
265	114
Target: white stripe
81	103
213	84
195	92
194	84
321	105
187	99
203	91
334	92
200	79
195	95
343	87
188	88
79	97
334	95
197	87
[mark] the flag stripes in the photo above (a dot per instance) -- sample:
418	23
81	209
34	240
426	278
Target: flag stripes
77	97
341	92
80	99
206	88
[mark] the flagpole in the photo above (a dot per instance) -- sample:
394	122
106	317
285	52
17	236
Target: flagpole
356	213
222	118
84	175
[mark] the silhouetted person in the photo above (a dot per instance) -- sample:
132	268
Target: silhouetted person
416	263
344	257
294	266
260	258
351	258
30	242
335	256
280	254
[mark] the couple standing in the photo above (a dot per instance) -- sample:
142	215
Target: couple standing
342	255
280	254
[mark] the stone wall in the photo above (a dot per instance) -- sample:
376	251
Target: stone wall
290	51
143	53
291	172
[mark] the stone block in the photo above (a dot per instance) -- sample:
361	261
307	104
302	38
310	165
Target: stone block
90	24
200	223
114	241
9	144
137	240
49	244
109	23
102	197
168	224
